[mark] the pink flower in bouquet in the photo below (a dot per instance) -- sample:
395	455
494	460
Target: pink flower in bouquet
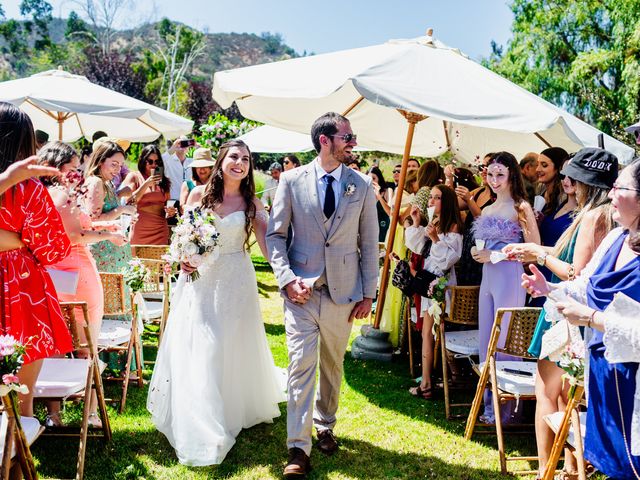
9	378
7	345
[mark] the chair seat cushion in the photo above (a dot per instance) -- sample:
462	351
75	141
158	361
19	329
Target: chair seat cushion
30	425
516	383
61	377
555	419
114	333
153	309
464	342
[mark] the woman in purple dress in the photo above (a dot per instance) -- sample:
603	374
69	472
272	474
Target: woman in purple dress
509	219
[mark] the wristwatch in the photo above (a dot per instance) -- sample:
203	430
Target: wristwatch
541	259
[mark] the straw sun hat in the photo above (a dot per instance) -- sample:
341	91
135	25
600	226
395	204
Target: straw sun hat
202	158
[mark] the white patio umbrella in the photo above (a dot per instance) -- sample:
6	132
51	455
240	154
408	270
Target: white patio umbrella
268	139
448	101
68	107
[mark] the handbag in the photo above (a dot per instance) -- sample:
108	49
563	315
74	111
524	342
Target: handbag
421	282
402	278
555	341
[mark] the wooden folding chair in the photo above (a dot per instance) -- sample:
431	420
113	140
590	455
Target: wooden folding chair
567	426
517	384
156	291
16	435
65	379
121	336
462	343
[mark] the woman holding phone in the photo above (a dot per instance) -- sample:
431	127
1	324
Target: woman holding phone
151	190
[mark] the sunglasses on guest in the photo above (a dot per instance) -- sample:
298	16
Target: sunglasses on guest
347	137
151	161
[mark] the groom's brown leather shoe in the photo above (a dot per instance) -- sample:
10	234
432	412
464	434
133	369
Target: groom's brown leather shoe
298	464
327	442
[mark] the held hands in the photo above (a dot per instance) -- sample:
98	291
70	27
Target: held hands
298	292
535	284
481	256
186	268
361	310
170	211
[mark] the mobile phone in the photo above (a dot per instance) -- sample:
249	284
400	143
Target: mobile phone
159	171
522	373
187	143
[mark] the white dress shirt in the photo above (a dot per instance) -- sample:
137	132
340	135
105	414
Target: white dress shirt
322	182
270	187
177	172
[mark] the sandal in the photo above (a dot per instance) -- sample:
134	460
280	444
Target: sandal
53	420
419	392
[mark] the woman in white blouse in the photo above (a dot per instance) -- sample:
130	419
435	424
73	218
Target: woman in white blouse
440	242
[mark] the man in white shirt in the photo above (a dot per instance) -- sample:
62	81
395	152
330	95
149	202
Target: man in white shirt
271	185
177	167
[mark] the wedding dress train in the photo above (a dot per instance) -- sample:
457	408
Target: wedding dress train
214	374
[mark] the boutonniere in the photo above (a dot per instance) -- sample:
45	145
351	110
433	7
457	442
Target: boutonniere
350	189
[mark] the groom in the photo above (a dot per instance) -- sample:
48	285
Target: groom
328	277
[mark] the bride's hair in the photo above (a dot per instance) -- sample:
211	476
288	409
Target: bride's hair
214	191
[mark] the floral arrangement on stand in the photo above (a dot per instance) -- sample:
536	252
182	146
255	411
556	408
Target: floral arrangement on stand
437	294
194	239
136	274
572	362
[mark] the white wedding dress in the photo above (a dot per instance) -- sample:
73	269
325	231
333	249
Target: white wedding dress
214	374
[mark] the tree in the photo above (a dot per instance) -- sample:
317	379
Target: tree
103	15
583	55
178	47
40	13
114	71
200	105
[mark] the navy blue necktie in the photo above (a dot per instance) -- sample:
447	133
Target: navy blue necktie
329	198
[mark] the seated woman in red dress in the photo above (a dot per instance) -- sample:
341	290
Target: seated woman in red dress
150	189
32	237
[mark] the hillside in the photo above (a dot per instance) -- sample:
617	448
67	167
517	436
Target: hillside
223	51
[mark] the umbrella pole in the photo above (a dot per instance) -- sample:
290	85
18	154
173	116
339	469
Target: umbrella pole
60	122
412	120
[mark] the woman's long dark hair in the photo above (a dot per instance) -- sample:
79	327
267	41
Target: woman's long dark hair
381	181
214	191
554	191
449	210
17	140
165	183
516	182
55	154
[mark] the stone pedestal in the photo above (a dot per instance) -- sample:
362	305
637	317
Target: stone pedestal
372	344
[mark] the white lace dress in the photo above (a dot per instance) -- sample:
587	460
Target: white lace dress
214	374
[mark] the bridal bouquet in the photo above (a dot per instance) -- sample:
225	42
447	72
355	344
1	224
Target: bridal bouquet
11	358
572	362
136	274
194	239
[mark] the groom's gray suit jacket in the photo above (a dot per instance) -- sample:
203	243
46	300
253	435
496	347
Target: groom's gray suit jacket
346	249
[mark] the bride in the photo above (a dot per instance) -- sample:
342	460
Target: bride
214	374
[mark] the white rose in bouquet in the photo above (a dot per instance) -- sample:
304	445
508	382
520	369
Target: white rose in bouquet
190	249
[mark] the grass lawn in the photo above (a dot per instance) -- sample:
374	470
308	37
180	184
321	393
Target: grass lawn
383	431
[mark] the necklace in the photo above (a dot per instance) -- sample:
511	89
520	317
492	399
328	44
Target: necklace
624	433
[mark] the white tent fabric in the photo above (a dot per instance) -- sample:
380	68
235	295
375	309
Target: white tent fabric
60	102
470	110
268	139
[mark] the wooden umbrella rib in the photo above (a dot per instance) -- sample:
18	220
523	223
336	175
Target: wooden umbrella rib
446	134
46	112
542	139
352	106
150	126
79	124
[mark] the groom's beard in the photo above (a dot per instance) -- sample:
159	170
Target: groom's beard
340	154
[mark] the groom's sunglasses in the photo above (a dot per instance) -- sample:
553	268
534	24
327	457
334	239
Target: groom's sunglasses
347	137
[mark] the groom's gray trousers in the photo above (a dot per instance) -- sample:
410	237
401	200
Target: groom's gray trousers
320	325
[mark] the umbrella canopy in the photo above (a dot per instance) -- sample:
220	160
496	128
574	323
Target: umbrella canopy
68	107
635	129
470	110
268	139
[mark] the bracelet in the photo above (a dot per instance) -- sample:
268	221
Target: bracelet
591	318
572	272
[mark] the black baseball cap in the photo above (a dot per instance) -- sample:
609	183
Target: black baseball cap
593	166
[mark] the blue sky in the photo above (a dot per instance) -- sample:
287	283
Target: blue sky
328	25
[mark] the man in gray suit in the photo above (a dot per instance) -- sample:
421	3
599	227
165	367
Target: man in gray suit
328	277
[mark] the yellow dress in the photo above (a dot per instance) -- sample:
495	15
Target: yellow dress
391	313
